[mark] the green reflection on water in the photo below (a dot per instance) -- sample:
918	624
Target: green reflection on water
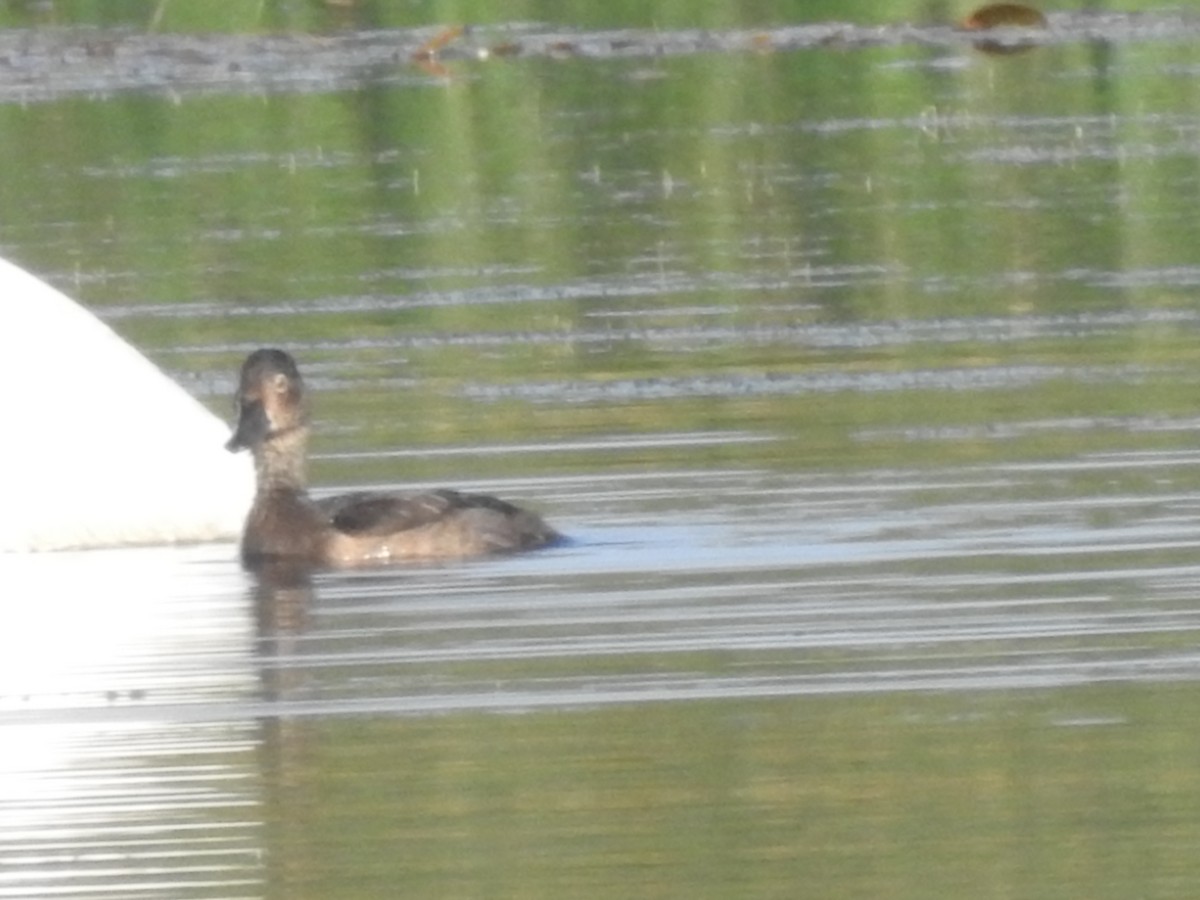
670	221
591	203
1088	792
322	15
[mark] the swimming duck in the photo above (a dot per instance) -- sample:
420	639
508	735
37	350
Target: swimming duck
364	528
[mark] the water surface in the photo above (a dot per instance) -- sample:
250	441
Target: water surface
861	373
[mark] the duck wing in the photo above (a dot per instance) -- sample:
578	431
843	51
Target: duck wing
370	513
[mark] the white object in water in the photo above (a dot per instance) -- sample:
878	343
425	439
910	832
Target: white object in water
100	448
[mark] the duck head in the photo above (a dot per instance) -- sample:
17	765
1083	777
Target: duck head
270	400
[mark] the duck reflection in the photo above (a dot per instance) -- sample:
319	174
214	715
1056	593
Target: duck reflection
282	596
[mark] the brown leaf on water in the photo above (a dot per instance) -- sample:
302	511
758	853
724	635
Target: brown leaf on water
430	48
1003	15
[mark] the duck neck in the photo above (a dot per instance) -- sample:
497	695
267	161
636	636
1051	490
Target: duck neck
281	461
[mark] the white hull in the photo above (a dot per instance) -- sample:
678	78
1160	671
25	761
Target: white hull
100	448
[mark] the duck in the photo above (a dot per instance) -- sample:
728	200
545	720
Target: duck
286	525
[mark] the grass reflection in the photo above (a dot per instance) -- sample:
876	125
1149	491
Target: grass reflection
1088	792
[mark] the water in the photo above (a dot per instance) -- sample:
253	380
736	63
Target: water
861	377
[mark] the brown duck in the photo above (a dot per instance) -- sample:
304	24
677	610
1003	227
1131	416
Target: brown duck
285	525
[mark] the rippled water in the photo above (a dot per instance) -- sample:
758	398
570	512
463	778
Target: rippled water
869	411
195	731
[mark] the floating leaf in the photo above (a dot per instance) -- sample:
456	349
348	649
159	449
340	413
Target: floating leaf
430	48
761	42
1004	15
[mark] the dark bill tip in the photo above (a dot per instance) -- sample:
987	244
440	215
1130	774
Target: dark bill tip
251	429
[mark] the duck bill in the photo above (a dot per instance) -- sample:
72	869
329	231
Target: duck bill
251	429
